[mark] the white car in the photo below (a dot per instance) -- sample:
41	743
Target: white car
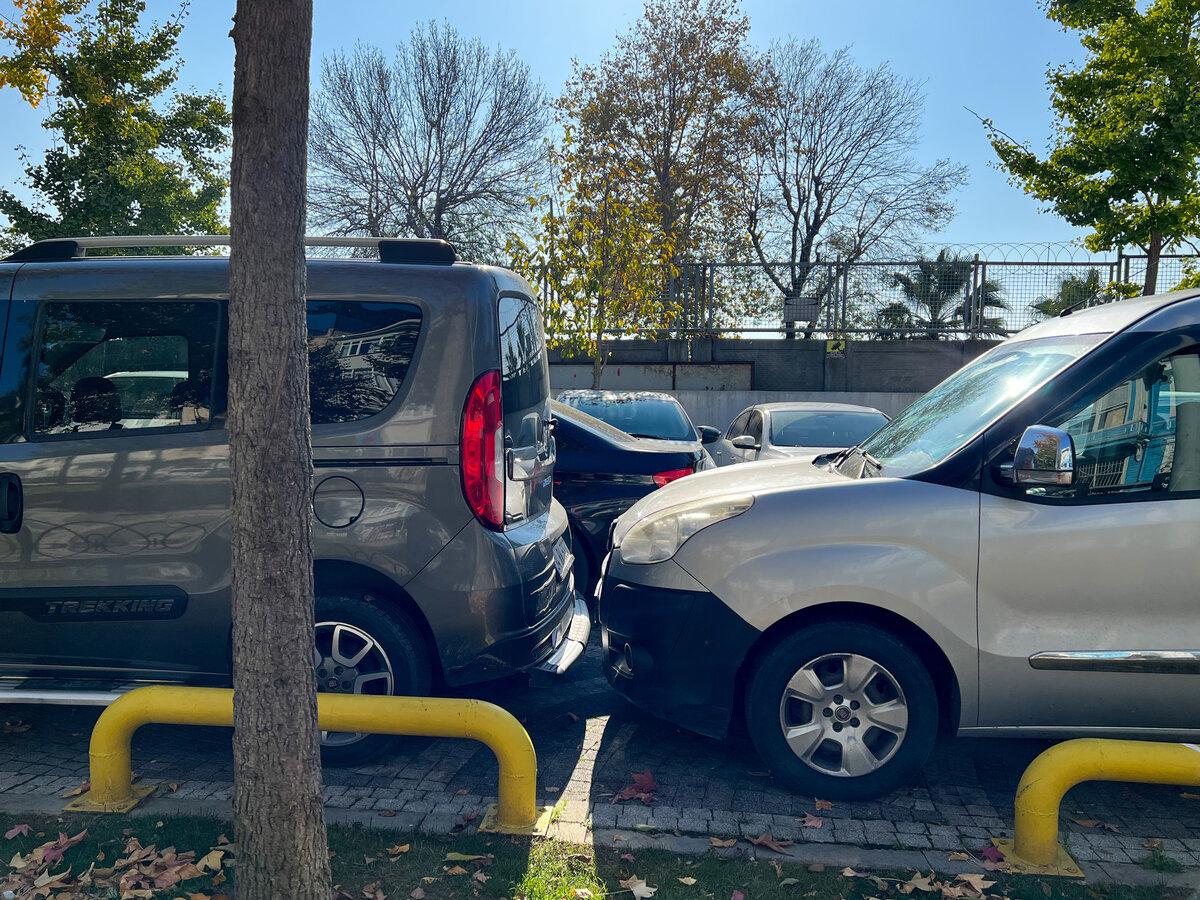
795	431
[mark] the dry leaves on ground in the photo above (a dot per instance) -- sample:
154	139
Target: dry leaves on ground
140	872
767	840
78	791
824	805
638	887
16	726
16	831
811	821
722	842
643	788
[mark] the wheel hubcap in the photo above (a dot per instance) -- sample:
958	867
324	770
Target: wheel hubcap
349	661
844	715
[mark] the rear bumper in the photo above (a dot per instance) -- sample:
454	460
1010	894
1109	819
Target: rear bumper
572	643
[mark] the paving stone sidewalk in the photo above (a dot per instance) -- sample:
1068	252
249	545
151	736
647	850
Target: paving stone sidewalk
589	742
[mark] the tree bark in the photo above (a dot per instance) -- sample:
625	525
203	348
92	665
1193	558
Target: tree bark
282	848
1153	252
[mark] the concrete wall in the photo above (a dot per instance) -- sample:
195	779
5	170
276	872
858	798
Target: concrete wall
772	365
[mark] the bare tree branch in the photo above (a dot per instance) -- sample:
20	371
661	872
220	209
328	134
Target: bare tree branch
444	140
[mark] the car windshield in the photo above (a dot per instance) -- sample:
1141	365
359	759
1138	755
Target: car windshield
650	417
823	428
964	404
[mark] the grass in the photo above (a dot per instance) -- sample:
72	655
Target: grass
1157	861
511	867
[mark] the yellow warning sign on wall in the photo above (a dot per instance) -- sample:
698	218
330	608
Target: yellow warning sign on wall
835	347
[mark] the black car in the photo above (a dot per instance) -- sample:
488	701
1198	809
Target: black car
600	472
646	414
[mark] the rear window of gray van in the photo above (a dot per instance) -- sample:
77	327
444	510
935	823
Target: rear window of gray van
523	366
359	354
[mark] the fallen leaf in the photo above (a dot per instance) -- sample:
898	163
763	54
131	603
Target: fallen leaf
720	842
1152	843
643	788
373	891
816	867
16	726
481	876
767	840
211	861
398	849
811	821
1110	826
687	880
959	856
1087	823
918	882
850	873
79	791
976	882
387	813
467	857
628	857
553	790
788	882
638	888
737	895
824	805
456	870
1189	796
992	853
583	894
17	831
221	839
417	894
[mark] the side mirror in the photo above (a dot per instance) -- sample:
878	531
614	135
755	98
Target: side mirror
1044	455
745	442
708	434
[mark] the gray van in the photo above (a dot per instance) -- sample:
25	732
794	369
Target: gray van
440	553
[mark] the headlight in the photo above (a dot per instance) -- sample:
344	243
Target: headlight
659	535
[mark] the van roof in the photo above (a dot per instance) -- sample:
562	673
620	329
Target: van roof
1106	318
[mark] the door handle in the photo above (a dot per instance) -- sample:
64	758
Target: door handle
12	503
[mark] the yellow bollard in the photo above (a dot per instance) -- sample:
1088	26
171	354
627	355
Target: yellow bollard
1035	848
515	813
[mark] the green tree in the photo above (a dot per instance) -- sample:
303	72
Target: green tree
941	295
129	155
1124	156
674	99
597	253
34	36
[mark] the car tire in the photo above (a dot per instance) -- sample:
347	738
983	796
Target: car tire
829	725
395	661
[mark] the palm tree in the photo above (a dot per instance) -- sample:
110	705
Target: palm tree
942	296
1072	292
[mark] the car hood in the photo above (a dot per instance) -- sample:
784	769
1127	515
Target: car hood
805	453
756	478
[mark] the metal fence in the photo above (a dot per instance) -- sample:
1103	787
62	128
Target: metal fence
953	296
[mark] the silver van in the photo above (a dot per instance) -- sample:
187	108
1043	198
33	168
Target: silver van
440	554
1016	553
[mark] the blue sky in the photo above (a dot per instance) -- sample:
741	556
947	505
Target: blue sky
989	55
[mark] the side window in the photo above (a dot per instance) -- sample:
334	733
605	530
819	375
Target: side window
358	356
755	427
1140	437
738	426
116	366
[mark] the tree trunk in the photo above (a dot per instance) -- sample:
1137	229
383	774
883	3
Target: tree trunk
282	849
1153	252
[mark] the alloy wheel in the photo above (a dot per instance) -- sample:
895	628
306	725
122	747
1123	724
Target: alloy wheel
843	714
348	660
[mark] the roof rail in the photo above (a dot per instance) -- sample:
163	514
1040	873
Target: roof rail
391	250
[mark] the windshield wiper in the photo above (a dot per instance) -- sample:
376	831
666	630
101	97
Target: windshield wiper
867	457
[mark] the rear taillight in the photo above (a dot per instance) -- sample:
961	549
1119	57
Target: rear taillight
670	475
482	451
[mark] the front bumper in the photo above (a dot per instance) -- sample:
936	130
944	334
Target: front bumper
675	653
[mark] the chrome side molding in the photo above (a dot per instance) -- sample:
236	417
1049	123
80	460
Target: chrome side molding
1152	662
